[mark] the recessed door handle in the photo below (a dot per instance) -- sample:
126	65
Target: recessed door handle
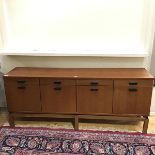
132	89
57	82
21	81
21	87
57	88
94	83
94	89
133	83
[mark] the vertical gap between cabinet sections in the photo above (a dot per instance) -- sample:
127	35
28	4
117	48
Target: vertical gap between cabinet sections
76	94
40	96
113	98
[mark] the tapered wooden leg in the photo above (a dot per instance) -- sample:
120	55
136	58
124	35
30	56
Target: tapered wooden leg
11	120
145	125
76	123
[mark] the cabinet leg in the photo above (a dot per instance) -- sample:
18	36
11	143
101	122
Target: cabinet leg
76	123
145	125
11	120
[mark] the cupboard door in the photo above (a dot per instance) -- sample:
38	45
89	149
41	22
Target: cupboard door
94	99
132	98
23	95
58	96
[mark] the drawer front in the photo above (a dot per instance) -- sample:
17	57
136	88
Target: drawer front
55	81
94	82
133	83
22	81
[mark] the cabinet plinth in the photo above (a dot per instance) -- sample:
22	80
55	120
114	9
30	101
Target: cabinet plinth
79	93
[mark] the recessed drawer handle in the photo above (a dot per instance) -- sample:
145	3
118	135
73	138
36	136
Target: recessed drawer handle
132	89
21	81
21	87
57	88
57	82
94	83
133	83
94	89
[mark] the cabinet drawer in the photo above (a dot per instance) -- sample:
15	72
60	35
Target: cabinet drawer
133	83
21	81
94	82
51	81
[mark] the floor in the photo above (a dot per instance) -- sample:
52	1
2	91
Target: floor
84	125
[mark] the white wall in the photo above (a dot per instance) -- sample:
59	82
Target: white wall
1	25
0	41
2	94
9	62
152	67
123	25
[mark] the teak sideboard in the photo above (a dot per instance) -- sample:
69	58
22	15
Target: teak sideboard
79	93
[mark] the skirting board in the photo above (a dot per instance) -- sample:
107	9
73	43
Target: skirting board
152	113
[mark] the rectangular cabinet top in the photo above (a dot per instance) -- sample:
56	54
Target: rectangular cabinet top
81	73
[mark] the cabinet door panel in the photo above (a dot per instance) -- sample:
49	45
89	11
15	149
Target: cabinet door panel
94	99
23	96
58	99
132	100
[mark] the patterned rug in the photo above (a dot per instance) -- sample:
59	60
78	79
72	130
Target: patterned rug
43	141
